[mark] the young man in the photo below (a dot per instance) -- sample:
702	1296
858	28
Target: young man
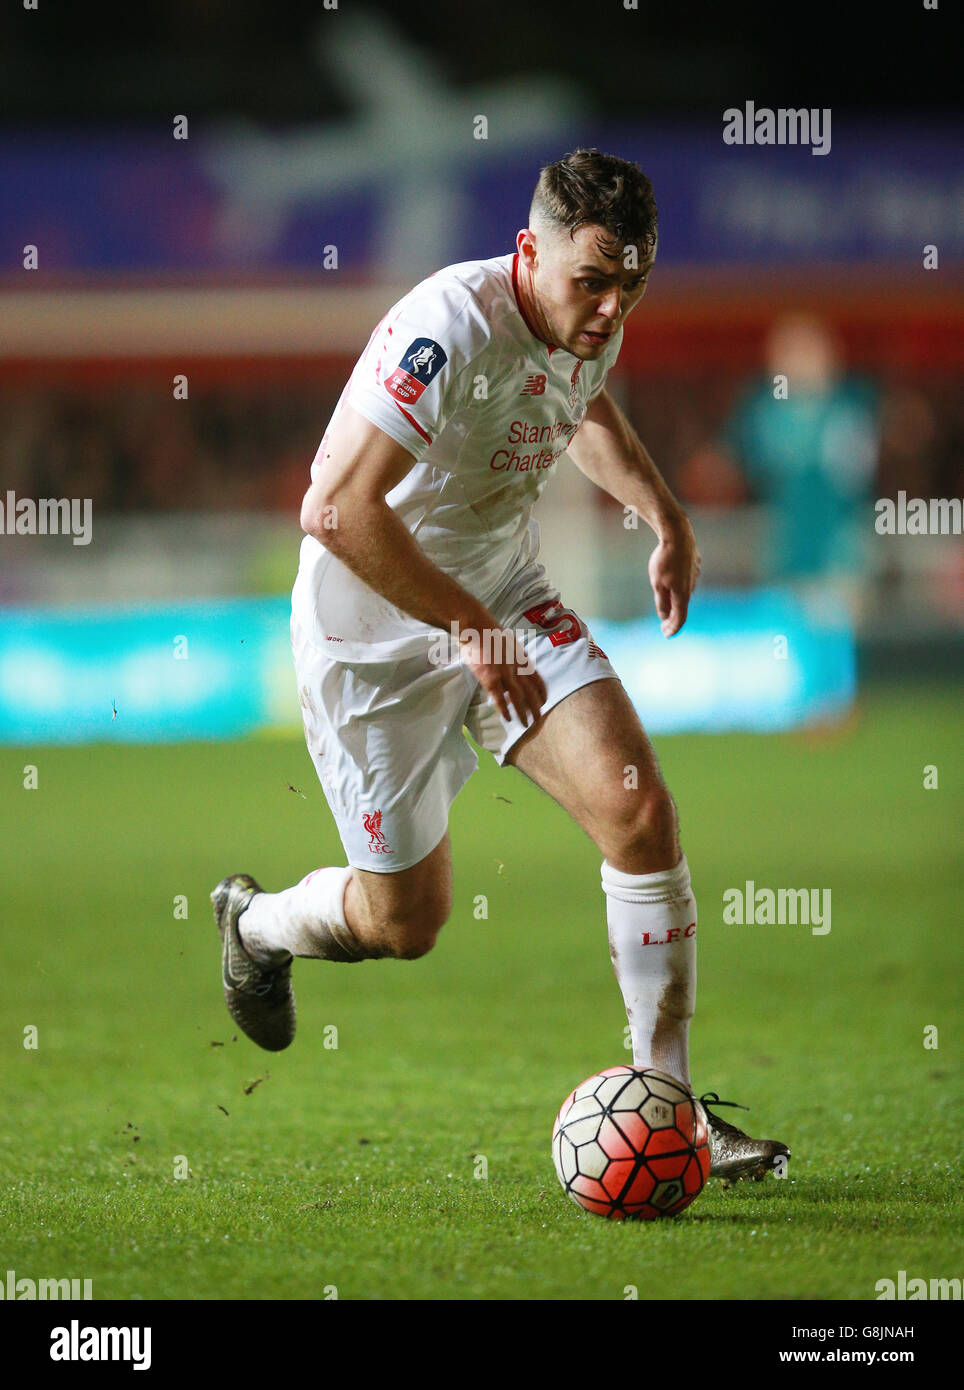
417	571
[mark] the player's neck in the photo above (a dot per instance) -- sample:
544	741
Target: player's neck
529	305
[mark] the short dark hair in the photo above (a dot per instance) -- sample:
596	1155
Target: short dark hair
588	187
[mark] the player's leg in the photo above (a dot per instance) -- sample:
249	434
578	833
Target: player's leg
334	914
591	754
401	914
387	745
350	914
386	742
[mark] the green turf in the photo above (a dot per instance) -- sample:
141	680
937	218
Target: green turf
355	1167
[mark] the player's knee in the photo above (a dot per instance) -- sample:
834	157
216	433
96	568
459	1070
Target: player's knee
413	945
415	930
645	825
412	940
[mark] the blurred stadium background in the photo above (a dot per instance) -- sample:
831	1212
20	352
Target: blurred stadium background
205	258
330	162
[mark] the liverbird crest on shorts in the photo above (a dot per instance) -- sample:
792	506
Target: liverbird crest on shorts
372	821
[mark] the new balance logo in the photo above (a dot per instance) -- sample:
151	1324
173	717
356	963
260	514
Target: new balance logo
535	385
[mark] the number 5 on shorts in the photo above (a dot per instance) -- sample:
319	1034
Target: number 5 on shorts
551	614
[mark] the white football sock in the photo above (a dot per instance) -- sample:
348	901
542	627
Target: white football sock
307	920
652	941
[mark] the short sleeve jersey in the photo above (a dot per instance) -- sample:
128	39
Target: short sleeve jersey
455	374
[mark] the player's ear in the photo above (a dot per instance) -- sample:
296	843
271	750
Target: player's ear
526	245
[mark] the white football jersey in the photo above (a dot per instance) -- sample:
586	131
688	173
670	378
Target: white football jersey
455	375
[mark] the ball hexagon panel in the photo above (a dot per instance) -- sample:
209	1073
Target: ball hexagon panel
691	1122
617	1175
665	1087
592	1160
631	1095
582	1131
657	1112
590	1188
670	1167
614	1141
694	1176
639	1190
600	1208
565	1159
609	1091
632	1127
667	1194
665	1141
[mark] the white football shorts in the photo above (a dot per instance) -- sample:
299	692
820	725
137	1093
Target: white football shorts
387	739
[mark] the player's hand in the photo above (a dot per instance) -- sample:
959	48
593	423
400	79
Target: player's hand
499	663
674	568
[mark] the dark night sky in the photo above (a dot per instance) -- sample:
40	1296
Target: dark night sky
76	61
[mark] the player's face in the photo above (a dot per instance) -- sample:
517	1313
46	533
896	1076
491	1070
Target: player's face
583	296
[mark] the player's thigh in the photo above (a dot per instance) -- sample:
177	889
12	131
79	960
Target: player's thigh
585	744
591	753
417	900
386	741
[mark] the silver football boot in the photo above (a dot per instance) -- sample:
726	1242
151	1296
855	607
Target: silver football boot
733	1154
259	997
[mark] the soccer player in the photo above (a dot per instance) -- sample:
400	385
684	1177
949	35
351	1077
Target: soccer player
420	608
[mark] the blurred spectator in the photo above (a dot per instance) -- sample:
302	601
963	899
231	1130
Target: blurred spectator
805	441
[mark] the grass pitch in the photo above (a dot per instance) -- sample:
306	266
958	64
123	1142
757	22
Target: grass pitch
354	1167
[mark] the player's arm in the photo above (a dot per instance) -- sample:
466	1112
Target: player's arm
360	466
611	454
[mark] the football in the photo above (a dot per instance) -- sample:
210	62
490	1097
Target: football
631	1143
